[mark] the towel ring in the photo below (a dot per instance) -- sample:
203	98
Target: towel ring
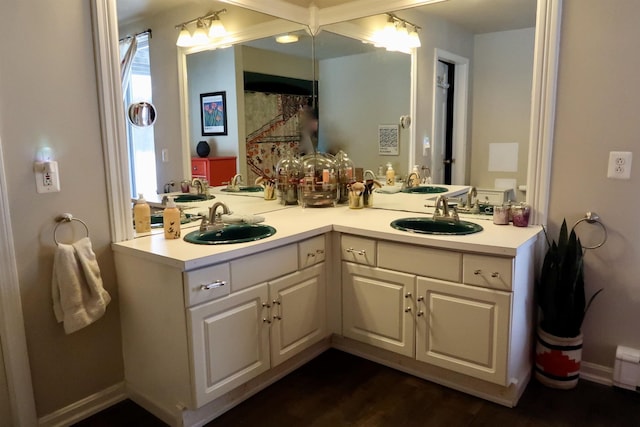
64	218
593	218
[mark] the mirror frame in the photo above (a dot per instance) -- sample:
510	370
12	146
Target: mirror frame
112	114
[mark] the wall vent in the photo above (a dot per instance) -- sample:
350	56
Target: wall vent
626	371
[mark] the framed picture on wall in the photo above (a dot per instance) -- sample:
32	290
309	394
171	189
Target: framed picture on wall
388	140
213	113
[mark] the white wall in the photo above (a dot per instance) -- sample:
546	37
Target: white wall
48	97
383	82
501	106
597	112
213	71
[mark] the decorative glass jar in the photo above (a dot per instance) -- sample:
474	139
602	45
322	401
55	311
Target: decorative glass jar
289	170
318	186
345	169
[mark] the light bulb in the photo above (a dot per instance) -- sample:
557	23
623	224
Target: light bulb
184	38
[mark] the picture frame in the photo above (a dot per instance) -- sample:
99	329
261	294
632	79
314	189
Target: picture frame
213	113
388	140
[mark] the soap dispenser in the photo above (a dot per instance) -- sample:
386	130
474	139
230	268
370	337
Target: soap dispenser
391	175
142	215
171	219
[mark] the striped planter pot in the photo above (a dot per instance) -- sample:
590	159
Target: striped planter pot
558	360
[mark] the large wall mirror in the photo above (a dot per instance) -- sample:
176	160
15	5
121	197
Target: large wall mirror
349	119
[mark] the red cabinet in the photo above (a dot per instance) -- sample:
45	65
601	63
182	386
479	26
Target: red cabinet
216	170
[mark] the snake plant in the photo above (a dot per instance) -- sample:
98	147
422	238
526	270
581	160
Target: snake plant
560	288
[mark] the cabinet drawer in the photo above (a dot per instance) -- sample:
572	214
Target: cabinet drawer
311	251
206	284
428	262
358	250
263	266
488	271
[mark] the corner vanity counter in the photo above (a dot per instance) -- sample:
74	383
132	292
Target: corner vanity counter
206	326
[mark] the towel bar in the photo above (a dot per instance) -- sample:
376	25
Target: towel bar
593	218
64	218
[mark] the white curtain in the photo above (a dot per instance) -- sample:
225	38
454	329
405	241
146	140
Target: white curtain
128	48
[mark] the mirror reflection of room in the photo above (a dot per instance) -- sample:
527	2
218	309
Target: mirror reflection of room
493	129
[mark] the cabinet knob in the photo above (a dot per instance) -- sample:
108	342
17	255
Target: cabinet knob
265	320
407	295
275	302
420	313
477	272
421	298
407	310
495	274
266	305
277	318
213	285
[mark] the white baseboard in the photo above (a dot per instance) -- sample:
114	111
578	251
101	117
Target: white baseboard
596	373
84	408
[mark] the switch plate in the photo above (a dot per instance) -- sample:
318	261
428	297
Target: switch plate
619	165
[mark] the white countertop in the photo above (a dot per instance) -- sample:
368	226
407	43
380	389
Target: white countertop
294	223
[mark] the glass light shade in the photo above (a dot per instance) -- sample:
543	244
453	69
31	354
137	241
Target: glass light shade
287	38
200	35
414	39
216	29
184	38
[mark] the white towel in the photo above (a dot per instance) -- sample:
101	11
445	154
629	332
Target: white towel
241	218
389	189
78	296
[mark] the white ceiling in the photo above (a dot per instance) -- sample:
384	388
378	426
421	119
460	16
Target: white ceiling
475	15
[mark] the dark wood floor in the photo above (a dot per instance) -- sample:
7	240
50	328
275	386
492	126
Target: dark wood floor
337	389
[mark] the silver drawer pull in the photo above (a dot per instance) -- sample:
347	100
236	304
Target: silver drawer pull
213	285
357	251
311	254
408	309
266	305
477	272
420	313
265	320
420	298
495	274
319	251
407	295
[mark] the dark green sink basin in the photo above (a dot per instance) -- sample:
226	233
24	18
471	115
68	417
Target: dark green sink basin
231	233
191	198
425	189
247	189
430	226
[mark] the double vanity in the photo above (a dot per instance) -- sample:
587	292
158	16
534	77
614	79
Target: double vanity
206	326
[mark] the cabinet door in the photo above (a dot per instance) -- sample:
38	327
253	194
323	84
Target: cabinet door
378	307
229	341
463	328
298	312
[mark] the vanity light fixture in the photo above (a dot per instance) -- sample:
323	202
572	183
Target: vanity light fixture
208	28
287	38
395	35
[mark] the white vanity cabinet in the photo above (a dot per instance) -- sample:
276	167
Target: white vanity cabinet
192	338
460	311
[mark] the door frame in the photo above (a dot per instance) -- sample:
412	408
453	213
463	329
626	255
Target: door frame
15	359
460	111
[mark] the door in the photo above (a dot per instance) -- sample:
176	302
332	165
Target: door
298	312
443	133
463	328
230	342
378	307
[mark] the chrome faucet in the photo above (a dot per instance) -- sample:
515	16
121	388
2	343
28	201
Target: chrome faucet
233	184
200	185
214	220
445	214
470	195
409	182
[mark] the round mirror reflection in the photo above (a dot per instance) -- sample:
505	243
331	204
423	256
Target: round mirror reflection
141	114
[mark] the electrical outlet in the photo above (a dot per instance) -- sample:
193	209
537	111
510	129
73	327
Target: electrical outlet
619	164
47	178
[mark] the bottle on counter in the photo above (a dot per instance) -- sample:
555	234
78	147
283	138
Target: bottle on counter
142	215
171	220
415	181
391	175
